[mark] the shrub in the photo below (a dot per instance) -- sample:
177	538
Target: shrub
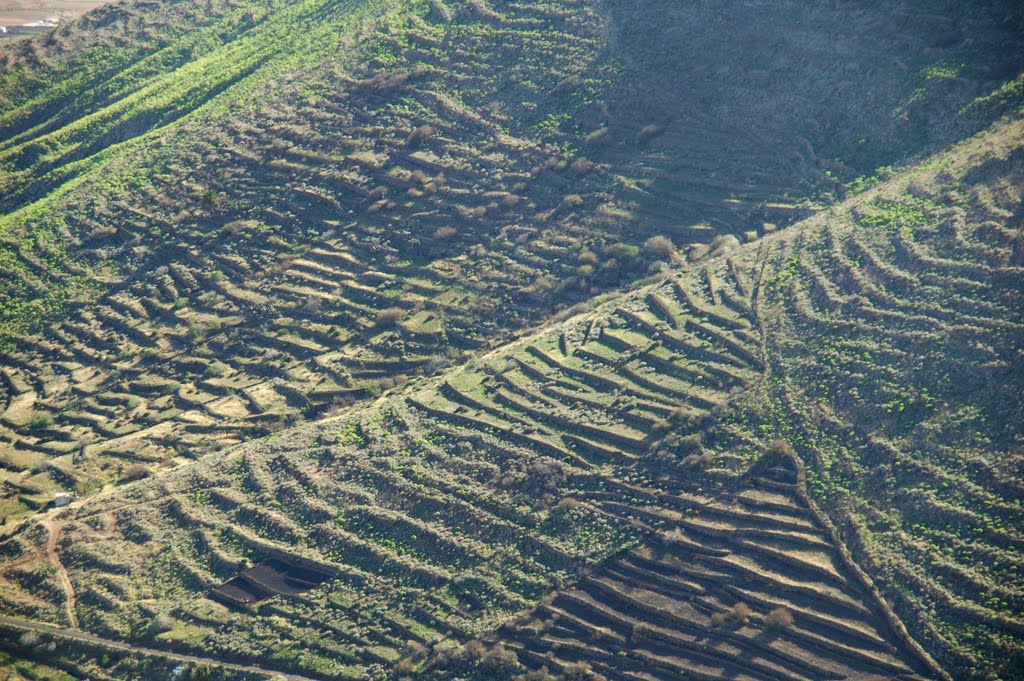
700	461
420	134
571	201
659	247
446	653
195	331
136	471
778	619
691	444
160	624
542	674
416	650
213	199
215	368
622	252
445	233
40	421
649	132
389	317
577	671
718	619
29	638
781	447
499	662
581	166
641	631
404	667
474	650
313	305
740	613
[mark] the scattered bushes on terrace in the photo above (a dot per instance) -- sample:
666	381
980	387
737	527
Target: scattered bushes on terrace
540	478
737	616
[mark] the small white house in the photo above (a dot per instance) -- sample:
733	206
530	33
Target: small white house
62	498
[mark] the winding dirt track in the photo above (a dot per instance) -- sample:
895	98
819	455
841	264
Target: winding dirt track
54	527
120	645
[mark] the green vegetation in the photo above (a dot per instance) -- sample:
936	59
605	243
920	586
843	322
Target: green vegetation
458	339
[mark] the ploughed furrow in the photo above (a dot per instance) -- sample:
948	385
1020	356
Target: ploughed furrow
686	604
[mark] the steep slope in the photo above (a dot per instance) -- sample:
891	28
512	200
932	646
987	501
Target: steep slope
597	497
224	218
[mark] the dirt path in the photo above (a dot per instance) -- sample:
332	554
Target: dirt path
120	645
54	527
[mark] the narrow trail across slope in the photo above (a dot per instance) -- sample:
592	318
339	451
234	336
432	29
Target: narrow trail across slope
119	645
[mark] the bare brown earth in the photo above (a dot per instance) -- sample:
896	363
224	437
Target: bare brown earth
20	13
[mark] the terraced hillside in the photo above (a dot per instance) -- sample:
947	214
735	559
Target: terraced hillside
633	492
748	586
250	214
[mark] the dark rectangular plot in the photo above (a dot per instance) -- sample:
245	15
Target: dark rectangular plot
266	579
